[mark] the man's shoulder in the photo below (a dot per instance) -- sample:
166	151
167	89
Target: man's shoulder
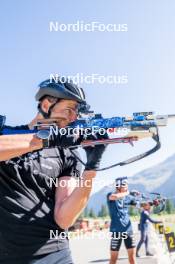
59	152
145	213
108	194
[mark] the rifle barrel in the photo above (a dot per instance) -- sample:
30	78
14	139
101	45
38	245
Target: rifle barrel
171	116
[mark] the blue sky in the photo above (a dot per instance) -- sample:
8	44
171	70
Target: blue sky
30	53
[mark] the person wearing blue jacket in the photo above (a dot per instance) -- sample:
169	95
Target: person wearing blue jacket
145	219
121	227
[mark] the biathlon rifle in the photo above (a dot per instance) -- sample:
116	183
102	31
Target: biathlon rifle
140	126
159	201
154	199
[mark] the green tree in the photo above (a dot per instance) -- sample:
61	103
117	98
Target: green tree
169	206
155	209
103	211
92	213
131	211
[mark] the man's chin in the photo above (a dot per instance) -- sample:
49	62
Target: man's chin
62	124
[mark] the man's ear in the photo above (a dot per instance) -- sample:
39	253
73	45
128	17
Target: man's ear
45	104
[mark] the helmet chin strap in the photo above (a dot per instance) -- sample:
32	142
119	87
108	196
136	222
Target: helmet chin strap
47	115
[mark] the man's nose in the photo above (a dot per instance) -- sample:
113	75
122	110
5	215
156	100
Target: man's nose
74	116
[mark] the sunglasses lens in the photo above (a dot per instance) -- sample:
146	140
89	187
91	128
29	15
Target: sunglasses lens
121	184
83	108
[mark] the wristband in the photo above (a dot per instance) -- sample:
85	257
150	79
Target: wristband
44	135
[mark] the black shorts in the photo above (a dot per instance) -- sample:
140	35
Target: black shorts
117	238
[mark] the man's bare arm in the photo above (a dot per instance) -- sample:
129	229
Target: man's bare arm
117	196
12	146
70	202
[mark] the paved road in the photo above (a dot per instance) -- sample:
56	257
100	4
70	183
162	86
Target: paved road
89	250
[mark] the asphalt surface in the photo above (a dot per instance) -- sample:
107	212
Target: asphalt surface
95	249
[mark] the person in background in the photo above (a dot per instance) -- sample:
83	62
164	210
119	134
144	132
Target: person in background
145	219
121	227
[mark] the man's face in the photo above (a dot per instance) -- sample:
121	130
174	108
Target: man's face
64	110
122	188
147	207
